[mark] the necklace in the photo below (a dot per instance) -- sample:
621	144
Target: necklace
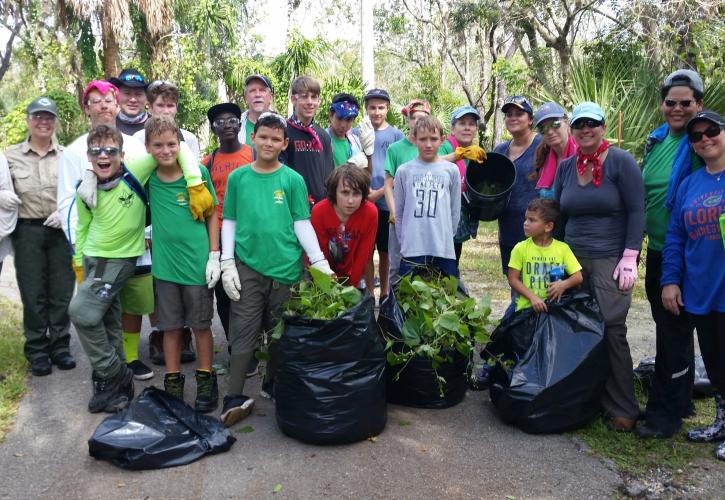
716	175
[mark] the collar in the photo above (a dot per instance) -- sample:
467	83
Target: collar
25	147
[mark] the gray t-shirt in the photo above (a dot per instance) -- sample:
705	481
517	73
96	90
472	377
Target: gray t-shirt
602	221
427	208
383	139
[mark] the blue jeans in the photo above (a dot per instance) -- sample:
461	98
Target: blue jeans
447	266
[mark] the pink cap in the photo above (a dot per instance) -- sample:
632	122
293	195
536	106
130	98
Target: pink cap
101	86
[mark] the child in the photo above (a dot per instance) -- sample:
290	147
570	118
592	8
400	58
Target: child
427	203
265	227
532	259
110	236
345	222
185	265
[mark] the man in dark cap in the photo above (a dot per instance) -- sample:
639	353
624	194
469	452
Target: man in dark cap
132	98
258	93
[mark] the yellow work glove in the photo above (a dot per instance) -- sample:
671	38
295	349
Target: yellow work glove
78	270
474	153
201	203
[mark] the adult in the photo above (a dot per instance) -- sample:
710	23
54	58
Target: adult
9	203
520	150
42	255
668	159
132	100
601	194
694	255
557	144
258	94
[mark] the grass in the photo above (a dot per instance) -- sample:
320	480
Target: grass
13	366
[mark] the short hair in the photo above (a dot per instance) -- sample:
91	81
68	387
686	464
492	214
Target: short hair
273	121
666	90
547	209
305	83
429	123
99	133
166	90
342	97
357	178
157	125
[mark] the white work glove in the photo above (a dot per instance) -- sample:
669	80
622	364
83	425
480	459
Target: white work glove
88	189
323	266
367	136
359	160
213	269
54	221
230	279
9	201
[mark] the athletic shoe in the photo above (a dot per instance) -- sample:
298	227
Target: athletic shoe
41	366
174	384
156	347
267	390
207	392
112	394
140	370
235	408
187	349
64	361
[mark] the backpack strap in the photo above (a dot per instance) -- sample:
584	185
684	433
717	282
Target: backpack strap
133	183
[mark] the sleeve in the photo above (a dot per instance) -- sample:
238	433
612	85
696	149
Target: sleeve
229	229
559	180
516	261
366	244
85	216
209	184
445	149
317	219
70	173
399	188
141	167
299	199
193	143
631	188
390	161
455	194
230	197
6	183
571	265
673	254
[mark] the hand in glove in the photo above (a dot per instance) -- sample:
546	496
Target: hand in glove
359	160
88	189
474	153
213	269
323	266
230	279
367	136
626	270
9	201
54	221
201	203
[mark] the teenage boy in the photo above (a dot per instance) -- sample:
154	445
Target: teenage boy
265	227
258	94
132	99
185	265
345	144
532	259
427	203
310	150
110	236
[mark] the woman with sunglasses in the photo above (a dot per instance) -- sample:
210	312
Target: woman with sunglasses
601	194
693	268
552	124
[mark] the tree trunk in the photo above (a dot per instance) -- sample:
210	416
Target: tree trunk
111	59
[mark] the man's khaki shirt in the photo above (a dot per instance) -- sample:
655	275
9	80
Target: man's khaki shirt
35	178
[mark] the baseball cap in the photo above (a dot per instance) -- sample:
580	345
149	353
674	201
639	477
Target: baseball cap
548	110
462	111
262	79
706	115
377	94
684	78
101	86
587	110
42	104
520	102
225	107
416	105
129	78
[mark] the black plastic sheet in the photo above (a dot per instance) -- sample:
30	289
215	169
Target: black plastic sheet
701	388
157	430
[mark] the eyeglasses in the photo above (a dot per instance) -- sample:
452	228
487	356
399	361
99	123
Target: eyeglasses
97	101
671	103
107	150
543	129
710	132
580	124
130	77
36	117
221	122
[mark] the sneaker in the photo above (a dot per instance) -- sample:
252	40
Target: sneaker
112	394
267	390
174	384
253	367
156	347
207	392
41	366
235	408
187	348
140	370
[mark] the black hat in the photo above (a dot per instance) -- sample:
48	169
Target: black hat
707	115
225	107
262	79
129	78
377	94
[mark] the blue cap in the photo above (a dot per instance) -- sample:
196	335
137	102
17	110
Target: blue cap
520	102
587	110
462	111
548	110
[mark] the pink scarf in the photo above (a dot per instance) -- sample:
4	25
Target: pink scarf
460	163
548	171
294	122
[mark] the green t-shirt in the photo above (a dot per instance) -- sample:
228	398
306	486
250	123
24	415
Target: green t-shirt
399	152
180	244
535	262
265	208
656	174
248	131
341	150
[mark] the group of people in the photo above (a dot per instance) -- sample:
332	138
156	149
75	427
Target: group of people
149	227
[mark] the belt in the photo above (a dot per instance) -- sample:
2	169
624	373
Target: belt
31	222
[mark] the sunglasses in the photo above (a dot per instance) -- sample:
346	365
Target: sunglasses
36	117
221	123
710	132
132	78
580	124
107	150
543	129
670	103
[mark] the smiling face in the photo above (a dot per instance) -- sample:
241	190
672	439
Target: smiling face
226	126
258	97
101	109
305	105
377	110
589	138
108	160
464	130
709	149
132	100
164	147
518	121
554	137
42	125
678	115
269	143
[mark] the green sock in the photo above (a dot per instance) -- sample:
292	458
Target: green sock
130	345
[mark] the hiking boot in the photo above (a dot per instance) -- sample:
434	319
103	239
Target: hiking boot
649	431
140	370
112	394
63	360
622	424
714	432
235	408
187	348
41	366
207	392
174	384
156	347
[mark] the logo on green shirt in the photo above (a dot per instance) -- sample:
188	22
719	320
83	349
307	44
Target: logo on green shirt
181	199
126	200
279	197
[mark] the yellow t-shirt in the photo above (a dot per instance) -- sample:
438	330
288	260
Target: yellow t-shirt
535	262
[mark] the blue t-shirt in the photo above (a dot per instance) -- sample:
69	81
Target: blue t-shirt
383	139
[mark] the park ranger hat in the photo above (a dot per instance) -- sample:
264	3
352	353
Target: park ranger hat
42	104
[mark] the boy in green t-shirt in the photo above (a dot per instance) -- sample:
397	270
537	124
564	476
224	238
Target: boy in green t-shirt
533	259
109	237
185	264
265	227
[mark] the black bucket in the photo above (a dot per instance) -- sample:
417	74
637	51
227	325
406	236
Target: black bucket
497	170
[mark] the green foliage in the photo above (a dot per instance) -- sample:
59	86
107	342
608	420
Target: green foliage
303	55
14	365
349	84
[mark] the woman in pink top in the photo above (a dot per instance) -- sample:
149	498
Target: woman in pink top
552	123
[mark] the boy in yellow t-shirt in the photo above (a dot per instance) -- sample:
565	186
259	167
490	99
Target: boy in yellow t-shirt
533	259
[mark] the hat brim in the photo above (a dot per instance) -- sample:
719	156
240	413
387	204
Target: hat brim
509	104
130	83
376	96
259	78
41	109
468	113
226	107
587	115
696	119
548	116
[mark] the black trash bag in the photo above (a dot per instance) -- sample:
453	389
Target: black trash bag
417	385
158	430
330	382
560	365
701	388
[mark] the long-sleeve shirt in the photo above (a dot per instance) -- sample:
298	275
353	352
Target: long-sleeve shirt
314	166
8	218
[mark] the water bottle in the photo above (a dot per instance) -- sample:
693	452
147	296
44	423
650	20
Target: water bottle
556	273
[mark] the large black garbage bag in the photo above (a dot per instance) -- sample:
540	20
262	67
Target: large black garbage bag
416	383
560	365
330	382
157	430
701	388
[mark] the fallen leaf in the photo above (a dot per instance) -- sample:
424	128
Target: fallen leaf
277	488
404	423
373	439
510	497
246	429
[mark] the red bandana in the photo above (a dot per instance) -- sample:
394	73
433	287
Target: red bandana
583	161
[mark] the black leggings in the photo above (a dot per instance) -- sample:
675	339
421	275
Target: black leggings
711	337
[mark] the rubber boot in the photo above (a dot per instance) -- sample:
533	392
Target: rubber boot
714	432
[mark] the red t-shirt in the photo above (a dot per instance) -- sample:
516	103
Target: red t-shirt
356	237
224	164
